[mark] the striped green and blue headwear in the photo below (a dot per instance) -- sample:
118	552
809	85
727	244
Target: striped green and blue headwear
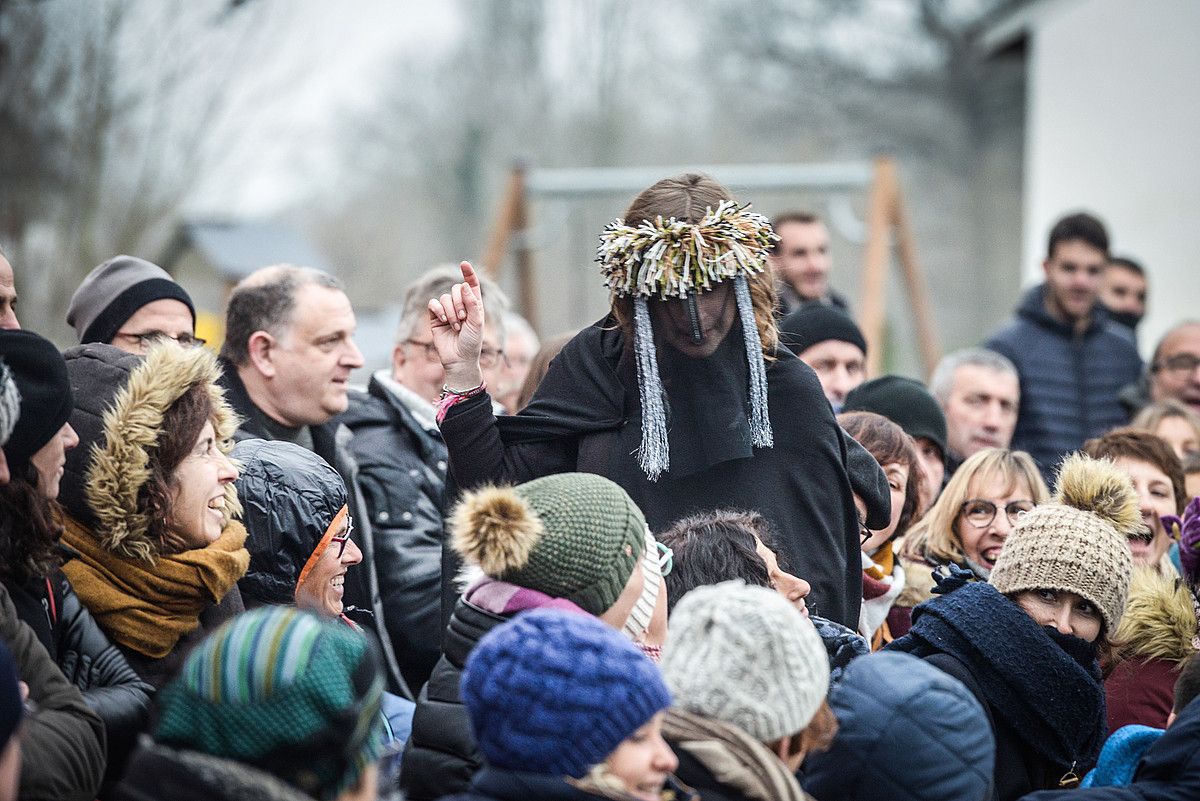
283	691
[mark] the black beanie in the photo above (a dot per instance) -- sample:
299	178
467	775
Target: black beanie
114	291
815	323
40	374
903	401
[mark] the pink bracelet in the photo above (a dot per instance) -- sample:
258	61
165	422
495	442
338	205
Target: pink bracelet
450	398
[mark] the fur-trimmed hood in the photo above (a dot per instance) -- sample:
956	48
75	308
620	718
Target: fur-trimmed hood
121	401
1160	619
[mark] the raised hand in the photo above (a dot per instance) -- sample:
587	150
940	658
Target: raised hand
456	321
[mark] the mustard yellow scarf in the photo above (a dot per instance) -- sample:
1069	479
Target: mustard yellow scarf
147	607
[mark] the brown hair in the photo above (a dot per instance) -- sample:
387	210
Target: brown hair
888	443
934	540
688	197
539	366
1152	416
181	427
1141	446
818	735
796	217
29	530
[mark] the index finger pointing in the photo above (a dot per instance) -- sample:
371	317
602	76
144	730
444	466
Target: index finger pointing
468	274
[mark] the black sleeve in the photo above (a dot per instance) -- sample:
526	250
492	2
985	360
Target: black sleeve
479	456
110	686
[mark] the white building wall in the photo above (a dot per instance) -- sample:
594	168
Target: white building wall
1114	127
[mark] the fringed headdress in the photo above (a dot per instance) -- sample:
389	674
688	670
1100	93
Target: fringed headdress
676	259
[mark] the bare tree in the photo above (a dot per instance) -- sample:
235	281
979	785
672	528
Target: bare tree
112	112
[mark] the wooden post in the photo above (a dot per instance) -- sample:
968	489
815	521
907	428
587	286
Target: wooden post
506	222
914	283
871	316
523	255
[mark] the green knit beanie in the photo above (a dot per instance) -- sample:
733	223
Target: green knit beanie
576	536
285	692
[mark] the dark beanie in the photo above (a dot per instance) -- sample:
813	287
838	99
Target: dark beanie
815	323
40	374
11	708
905	402
116	289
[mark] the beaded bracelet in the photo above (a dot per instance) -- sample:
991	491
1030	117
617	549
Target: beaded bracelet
453	396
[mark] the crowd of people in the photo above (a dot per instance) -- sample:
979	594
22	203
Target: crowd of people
692	551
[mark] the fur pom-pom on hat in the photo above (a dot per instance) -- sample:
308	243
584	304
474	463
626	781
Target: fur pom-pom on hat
576	536
1079	542
1100	487
495	529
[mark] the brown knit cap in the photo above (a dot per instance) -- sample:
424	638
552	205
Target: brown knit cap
1079	542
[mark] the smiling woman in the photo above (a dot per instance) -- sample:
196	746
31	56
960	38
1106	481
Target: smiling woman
149	500
299	531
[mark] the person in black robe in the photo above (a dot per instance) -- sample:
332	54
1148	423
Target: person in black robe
587	414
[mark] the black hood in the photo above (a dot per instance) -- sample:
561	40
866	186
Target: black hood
289	497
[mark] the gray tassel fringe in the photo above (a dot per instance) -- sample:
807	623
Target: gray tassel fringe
654	455
760	421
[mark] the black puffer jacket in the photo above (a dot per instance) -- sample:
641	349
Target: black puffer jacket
289	497
89	661
1070	381
402	474
330	442
441	757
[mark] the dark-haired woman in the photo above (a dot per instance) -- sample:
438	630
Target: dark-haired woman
883	577
30	556
681	394
149	499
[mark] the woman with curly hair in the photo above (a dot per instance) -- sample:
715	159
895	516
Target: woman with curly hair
150	501
681	394
30	555
883	576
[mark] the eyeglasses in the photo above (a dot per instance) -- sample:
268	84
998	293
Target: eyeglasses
488	357
147	338
342	539
980	513
1180	364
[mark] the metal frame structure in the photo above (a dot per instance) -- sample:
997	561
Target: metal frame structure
886	218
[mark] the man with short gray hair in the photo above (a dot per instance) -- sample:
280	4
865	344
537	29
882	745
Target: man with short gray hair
288	354
979	392
402	469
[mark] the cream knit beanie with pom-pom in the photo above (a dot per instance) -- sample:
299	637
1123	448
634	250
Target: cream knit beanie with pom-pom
1079	542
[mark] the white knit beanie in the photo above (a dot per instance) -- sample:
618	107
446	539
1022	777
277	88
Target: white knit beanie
745	656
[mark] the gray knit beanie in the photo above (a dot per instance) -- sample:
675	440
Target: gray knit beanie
116	289
745	656
10	403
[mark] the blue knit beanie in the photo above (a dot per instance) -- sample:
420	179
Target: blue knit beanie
555	693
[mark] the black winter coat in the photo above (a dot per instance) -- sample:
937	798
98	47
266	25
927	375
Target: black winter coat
440	757
158	773
330	442
402	475
583	418
62	739
87	658
1069	382
1168	771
